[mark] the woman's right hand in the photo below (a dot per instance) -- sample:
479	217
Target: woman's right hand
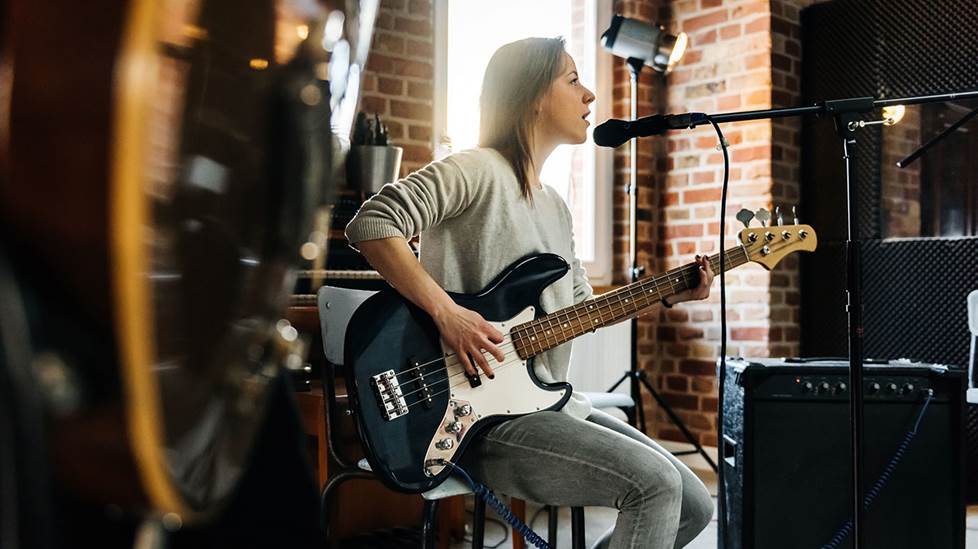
470	336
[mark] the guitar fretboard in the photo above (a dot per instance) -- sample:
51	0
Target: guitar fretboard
544	333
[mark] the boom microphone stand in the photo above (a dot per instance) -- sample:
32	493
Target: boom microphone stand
846	113
637	377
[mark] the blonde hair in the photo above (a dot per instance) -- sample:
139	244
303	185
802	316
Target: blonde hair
517	77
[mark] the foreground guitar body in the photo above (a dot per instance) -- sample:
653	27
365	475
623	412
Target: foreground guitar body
387	326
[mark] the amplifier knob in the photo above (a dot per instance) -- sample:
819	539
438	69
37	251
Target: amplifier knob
907	389
807	387
841	387
874	387
824	387
891	387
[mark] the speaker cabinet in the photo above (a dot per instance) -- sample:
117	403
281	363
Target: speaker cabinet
786	454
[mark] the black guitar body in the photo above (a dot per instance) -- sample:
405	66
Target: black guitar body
387	332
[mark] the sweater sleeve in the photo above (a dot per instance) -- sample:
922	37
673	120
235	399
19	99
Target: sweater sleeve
407	207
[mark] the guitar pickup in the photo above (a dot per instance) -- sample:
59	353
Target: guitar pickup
474	379
418	378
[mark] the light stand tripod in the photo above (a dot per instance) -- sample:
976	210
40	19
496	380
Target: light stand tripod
637	377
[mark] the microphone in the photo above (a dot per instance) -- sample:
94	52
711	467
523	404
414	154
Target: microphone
613	132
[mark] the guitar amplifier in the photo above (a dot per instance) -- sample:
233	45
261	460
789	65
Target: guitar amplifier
786	454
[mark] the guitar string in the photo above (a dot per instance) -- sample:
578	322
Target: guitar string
686	270
558	337
692	270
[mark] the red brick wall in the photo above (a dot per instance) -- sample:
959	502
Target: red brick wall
743	55
398	82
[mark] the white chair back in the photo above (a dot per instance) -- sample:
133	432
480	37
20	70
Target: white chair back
336	307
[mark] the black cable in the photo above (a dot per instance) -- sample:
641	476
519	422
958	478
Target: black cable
843	532
482	491
721	493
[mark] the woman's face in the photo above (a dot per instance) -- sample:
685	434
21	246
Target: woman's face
564	107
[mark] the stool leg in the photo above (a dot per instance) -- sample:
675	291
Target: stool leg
519	509
479	523
552	526
428	527
577	527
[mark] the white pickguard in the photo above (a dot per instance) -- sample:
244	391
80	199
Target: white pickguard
512	392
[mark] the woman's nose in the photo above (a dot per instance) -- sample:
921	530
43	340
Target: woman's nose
588	96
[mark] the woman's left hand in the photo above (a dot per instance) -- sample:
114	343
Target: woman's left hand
703	290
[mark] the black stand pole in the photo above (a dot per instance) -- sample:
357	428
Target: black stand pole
634	374
846	113
847	121
845	125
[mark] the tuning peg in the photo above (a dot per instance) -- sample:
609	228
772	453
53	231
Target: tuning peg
744	216
763	216
794	214
777	214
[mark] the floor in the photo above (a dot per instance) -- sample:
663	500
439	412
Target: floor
599	519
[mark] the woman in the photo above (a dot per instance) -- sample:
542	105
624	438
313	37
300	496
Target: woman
477	212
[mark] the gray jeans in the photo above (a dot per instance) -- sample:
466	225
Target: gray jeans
555	459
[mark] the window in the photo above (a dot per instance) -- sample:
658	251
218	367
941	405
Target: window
949	178
466	35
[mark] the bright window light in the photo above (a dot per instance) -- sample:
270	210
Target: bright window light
475	30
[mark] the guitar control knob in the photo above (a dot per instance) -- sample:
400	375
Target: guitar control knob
824	387
445	444
453	427
463	410
907	389
807	387
874	387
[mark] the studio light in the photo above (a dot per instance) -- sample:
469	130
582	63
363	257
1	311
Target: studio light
651	44
894	114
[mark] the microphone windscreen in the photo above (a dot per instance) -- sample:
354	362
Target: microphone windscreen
973	312
611	133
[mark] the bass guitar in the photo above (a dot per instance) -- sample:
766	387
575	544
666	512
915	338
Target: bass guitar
416	408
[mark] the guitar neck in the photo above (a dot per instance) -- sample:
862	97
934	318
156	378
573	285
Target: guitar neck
561	326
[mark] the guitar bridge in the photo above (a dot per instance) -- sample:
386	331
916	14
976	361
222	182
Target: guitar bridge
389	395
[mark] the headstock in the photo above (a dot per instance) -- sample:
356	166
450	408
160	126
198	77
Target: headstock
767	245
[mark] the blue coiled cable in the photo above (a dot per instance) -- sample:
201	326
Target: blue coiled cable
504	512
884	477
